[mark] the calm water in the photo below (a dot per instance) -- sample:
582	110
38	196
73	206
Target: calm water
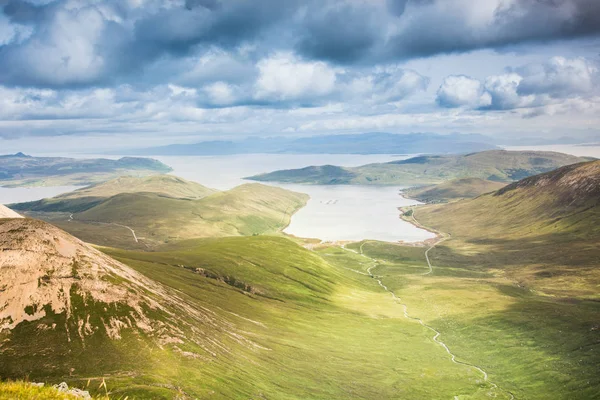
226	172
334	213
340	213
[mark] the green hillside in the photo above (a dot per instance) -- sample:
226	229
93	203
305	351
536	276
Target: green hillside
456	189
25	390
511	294
265	317
165	185
240	317
88	197
514	285
494	165
551	221
156	218
23	170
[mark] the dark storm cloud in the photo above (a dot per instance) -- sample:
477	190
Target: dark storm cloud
397	7
78	44
423	28
441	27
343	34
22	11
100	43
210	4
223	24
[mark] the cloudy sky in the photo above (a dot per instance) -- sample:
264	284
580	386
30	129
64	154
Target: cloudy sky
78	74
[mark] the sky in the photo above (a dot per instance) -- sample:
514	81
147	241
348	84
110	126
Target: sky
104	74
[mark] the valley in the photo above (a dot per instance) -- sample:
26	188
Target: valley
501	304
300	200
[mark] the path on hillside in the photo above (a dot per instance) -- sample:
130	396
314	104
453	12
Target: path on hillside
109	223
437	334
132	231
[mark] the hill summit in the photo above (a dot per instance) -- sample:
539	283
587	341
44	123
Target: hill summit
571	186
165	185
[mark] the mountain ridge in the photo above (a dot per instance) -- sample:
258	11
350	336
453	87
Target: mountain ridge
363	143
494	165
551	220
452	190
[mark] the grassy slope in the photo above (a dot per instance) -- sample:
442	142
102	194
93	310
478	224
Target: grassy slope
24	390
496	165
88	197
542	232
318	331
456	189
534	346
330	332
328	328
22	170
514	289
245	210
166	185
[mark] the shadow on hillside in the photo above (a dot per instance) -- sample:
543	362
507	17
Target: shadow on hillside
534	347
549	250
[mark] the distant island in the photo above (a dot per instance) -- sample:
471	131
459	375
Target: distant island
365	143
24	170
495	165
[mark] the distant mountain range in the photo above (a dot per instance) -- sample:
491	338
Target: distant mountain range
366	143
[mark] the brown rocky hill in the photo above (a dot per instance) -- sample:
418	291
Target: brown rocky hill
67	308
570	187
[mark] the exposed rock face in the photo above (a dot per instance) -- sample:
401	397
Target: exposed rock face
41	266
42	269
6	212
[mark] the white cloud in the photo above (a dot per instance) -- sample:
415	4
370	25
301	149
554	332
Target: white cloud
285	77
559	77
386	85
220	93
534	85
503	90
461	90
